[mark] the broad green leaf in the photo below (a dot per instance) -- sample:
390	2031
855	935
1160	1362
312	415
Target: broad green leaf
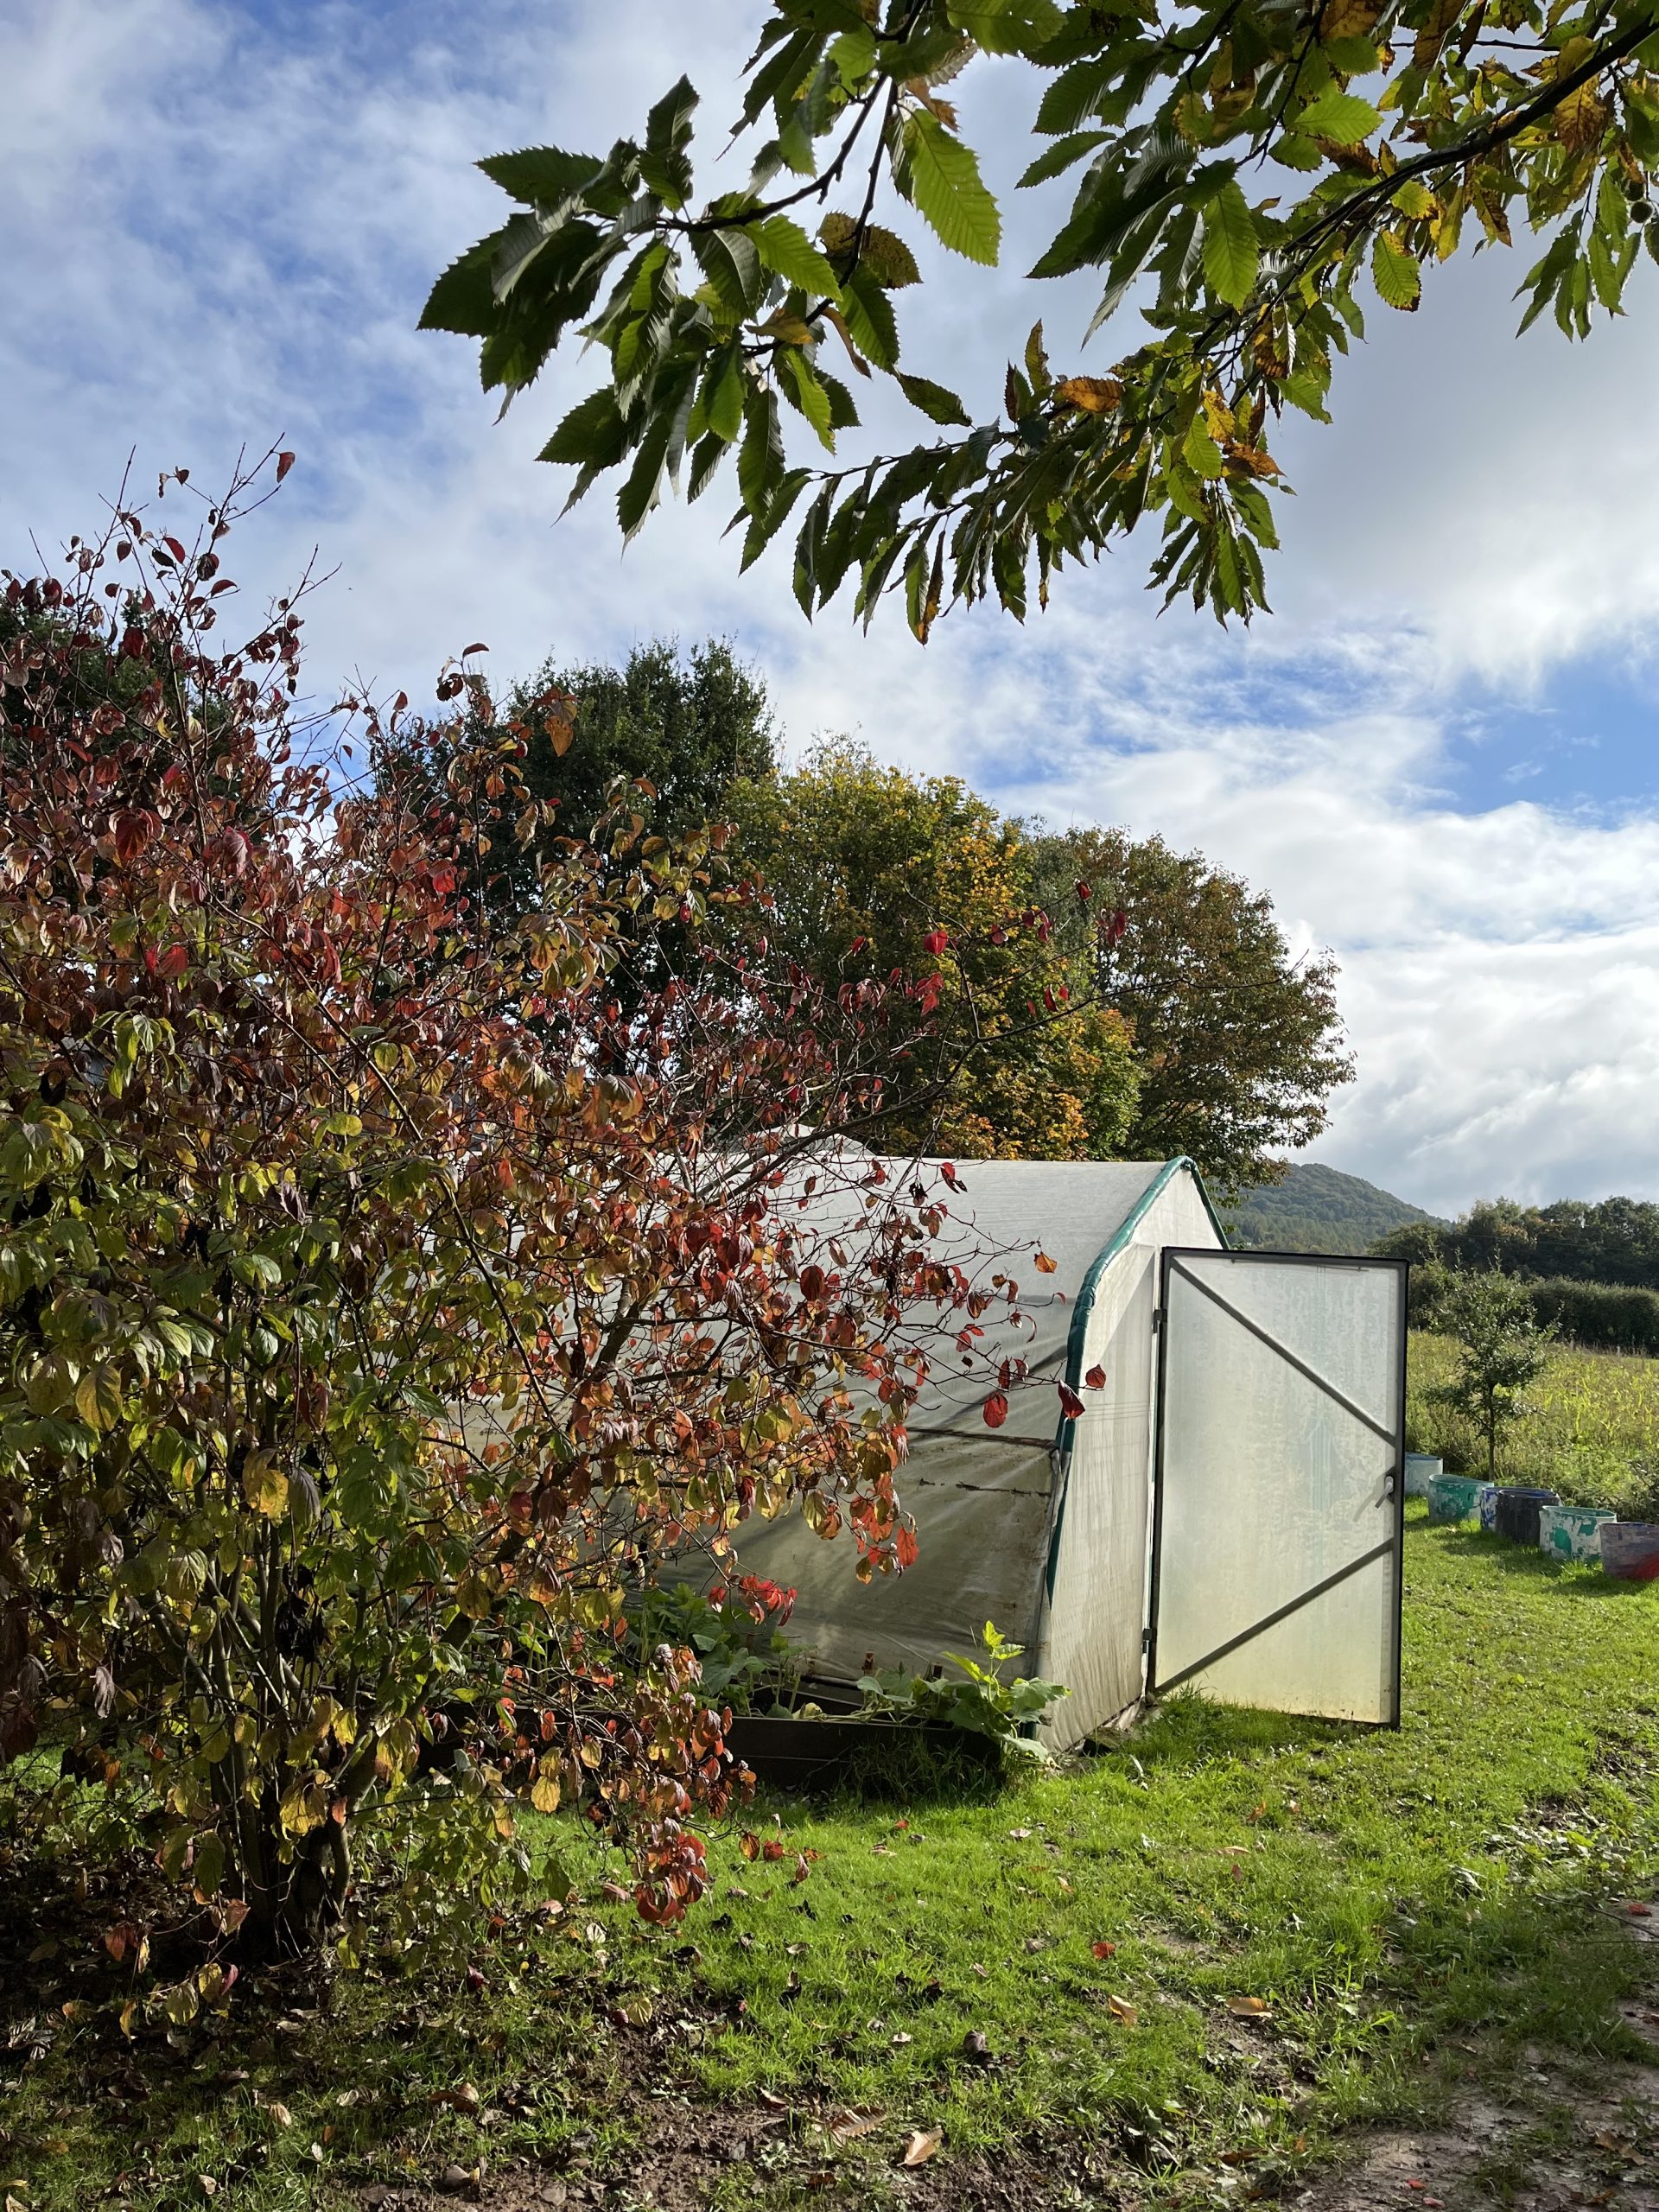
668	127
463	299
761	461
1398	279
1232	252
870	318
542	177
1063	155
1340	118
592	435
853	54
729	260
725	413
1201	453
800	381
950	192
938	404
642	489
1007	26
786	249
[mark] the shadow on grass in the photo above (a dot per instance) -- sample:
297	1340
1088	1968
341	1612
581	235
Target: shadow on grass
1188	1729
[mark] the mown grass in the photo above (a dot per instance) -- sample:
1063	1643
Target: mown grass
1590	1427
1409	1908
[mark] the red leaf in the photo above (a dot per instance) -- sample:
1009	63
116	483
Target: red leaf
904	1547
1095	1379
1071	1403
935	942
172	961
174	547
995	1410
1085	894
1103	1950
133	828
1045	1265
473	649
284	462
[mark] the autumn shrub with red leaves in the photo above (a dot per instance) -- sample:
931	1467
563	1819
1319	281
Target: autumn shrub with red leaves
385	1291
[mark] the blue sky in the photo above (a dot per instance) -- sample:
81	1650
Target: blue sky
1438	755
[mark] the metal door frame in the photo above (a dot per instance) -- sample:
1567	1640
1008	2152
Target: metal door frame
1395	1543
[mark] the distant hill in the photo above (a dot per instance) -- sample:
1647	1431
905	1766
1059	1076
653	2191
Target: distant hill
1317	1210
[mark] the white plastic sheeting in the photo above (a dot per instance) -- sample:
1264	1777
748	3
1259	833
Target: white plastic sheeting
1041	1525
1281	1481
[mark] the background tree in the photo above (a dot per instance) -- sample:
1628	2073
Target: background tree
383	1290
1239	1046
1501	1350
1250	171
868	870
1614	1241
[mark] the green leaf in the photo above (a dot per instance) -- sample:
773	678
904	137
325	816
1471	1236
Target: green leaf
949	191
542	177
463	299
766	524
644	487
787	251
1007	26
1398	279
1063	155
725	405
1200	451
870	318
668	127
593	434
761	461
1232	252
809	394
1340	118
938	404
729	260
853	54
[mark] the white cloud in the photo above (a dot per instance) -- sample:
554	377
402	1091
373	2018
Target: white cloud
221	224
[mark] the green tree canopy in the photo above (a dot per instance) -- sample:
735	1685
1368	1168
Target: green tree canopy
1249	175
1239	1044
870	869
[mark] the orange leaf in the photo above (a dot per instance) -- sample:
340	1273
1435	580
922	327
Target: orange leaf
921	2143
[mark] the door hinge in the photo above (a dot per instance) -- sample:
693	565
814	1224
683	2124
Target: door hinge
1146	1639
1157	1319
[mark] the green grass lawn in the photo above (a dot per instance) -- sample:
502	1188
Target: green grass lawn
1409	1909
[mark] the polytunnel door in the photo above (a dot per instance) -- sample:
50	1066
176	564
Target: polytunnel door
1278	1509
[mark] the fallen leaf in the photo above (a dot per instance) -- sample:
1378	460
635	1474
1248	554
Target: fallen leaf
1036	1942
975	2047
983	1972
1249	2008
847	2127
1020	1835
280	2114
771	2101
614	1892
900	2038
1103	1950
464	2099
921	2143
1123	2009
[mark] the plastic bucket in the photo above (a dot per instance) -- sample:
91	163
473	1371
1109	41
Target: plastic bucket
1421	1467
1570	1531
1486	1509
1630	1550
1452	1498
1517	1512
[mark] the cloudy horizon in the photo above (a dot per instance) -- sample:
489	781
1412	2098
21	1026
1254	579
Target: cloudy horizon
1436	754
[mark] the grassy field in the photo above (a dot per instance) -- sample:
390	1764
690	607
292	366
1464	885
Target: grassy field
1205	1953
1591	1429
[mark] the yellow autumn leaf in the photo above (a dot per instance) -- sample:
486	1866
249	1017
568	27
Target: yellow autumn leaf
264	1485
1094	394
